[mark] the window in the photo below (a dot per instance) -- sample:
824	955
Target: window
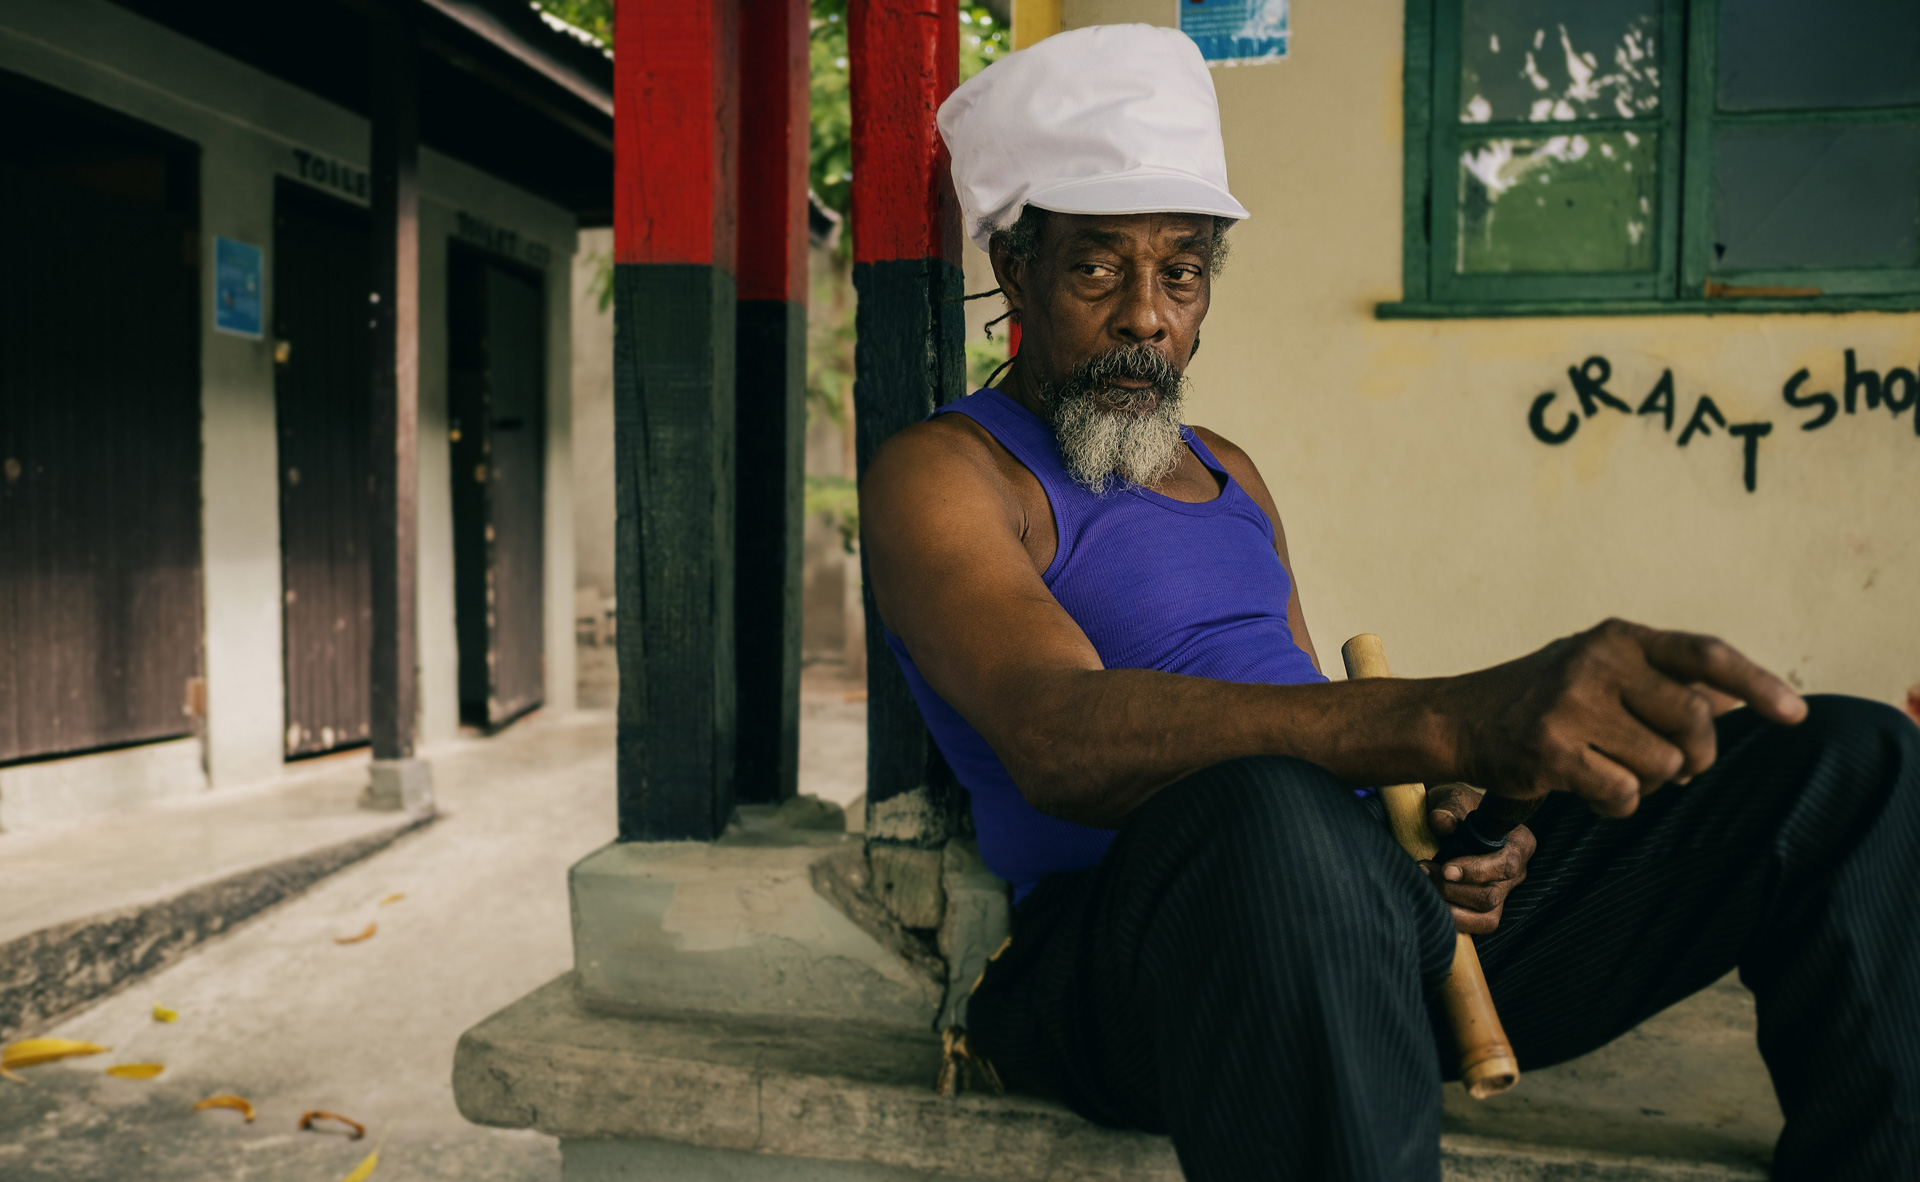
1661	155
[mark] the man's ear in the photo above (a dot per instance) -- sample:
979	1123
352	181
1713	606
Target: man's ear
1008	273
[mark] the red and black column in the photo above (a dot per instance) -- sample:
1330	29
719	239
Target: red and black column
909	352
676	133
771	378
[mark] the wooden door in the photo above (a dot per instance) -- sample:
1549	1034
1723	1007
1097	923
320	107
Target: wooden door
497	409
322	399
100	572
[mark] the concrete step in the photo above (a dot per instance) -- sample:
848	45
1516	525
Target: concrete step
89	907
704	1097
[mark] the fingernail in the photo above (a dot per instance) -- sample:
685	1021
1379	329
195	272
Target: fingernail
1453	873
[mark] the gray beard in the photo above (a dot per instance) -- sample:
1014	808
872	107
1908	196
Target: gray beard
1100	431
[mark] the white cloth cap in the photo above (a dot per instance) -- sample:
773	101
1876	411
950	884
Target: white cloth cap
1106	119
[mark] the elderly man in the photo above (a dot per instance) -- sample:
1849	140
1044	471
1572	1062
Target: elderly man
1214	934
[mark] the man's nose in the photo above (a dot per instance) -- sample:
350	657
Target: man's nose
1138	319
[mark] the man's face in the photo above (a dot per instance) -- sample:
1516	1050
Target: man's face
1110	309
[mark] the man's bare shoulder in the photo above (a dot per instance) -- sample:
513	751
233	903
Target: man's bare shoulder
1241	467
947	449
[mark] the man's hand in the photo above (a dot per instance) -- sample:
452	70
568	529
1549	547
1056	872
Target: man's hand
1475	888
1610	714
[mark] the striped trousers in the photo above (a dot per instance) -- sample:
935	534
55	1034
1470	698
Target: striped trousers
1250	969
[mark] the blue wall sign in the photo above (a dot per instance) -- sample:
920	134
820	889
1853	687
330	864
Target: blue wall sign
1233	32
238	297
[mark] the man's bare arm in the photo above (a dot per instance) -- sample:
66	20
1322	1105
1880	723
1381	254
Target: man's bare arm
1608	714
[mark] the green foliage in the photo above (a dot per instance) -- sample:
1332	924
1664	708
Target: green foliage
837	497
592	16
983	357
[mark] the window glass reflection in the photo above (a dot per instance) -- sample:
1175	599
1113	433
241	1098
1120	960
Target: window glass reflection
1560	61
1816	195
1564	203
1795	55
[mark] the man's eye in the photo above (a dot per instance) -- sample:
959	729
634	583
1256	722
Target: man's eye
1099	270
1184	274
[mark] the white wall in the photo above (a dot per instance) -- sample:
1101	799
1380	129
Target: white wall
248	126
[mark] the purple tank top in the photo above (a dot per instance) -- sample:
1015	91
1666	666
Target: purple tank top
1155	583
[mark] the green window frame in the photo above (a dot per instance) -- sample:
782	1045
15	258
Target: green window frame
1682	277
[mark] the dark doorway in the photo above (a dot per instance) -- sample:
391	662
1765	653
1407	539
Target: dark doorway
322	399
100	589
497	411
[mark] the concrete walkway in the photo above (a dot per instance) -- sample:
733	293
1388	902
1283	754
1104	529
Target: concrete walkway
277	1011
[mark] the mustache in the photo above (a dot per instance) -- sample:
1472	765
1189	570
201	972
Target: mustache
1138	362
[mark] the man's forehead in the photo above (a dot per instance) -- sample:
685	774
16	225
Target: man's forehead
1166	231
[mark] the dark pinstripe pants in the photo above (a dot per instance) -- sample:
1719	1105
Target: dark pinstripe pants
1249	968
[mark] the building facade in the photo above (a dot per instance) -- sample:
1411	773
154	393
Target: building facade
185	535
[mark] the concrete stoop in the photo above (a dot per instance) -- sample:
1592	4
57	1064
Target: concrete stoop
85	911
700	1098
754	1010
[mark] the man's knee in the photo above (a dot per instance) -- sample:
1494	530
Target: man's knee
1272	832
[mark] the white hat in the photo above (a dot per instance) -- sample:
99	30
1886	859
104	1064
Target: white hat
1107	119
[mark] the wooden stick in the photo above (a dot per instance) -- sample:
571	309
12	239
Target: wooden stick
1487	1065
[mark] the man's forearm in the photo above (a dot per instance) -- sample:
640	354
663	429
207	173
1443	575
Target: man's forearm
1091	745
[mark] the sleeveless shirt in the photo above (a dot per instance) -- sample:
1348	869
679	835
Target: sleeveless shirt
1155	583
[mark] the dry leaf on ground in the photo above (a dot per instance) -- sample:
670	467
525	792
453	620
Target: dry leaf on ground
365	1169
307	1119
392	899
365	935
227	1100
136	1070
31	1052
163	1014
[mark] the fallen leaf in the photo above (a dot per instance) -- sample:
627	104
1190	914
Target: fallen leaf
391	899
31	1052
227	1100
365	935
365	1169
136	1070
307	1119
163	1014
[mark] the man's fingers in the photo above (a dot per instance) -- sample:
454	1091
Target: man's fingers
1680	716
1608	788
1690	656
1475	923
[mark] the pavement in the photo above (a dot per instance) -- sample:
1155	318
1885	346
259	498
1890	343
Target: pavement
278	1012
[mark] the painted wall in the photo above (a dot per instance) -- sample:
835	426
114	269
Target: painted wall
592	418
1417	500
250	127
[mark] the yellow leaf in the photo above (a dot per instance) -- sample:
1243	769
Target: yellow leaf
136	1070
391	899
163	1014
32	1052
227	1100
365	1169
365	935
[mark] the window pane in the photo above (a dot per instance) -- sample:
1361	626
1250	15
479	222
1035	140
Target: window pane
1816	196
1805	54
1558	60
1558	203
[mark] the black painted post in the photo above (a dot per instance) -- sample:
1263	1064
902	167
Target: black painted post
771	396
909	358
676	99
397	779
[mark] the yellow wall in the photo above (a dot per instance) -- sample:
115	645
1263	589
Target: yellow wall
1418	503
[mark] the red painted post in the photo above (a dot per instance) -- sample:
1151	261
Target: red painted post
909	353
770	405
676	154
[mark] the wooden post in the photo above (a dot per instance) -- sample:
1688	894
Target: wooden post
909	358
676	135
771	402
398	780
